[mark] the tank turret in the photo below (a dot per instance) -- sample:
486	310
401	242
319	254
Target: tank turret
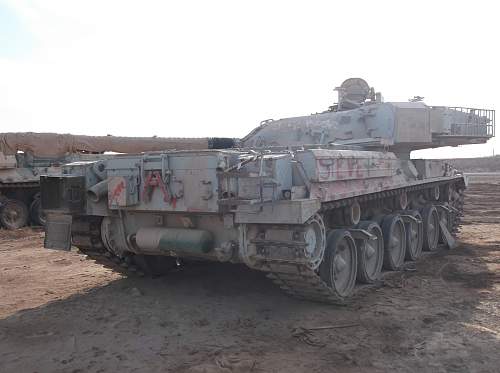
362	118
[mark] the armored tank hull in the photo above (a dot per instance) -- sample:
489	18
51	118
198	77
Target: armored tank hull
316	219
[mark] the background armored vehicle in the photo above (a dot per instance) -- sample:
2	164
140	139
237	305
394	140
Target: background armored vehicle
318	202
25	156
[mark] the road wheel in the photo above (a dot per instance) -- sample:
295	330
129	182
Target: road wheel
36	213
339	266
430	220
14	214
393	230
370	253
414	236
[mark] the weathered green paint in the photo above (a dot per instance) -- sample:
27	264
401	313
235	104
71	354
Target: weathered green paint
186	240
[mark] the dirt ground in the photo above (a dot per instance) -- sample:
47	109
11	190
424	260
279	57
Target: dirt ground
60	312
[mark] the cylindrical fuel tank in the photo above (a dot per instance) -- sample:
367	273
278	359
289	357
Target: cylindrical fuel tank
178	240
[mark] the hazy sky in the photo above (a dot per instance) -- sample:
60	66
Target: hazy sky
217	68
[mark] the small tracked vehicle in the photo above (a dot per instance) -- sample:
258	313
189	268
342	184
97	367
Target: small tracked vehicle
319	203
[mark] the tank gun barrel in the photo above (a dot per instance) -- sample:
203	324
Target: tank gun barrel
58	145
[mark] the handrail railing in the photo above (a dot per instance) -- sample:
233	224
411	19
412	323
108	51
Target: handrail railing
472	122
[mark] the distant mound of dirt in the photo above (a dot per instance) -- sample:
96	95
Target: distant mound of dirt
483	164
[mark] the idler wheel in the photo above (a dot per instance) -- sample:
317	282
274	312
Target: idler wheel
430	219
414	236
13	214
314	237
393	230
370	253
339	266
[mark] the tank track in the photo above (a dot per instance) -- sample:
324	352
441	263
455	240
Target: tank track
303	282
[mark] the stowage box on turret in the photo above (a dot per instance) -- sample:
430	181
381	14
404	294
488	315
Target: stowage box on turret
317	202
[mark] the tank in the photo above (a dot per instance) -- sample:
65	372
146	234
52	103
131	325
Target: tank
26	156
318	203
